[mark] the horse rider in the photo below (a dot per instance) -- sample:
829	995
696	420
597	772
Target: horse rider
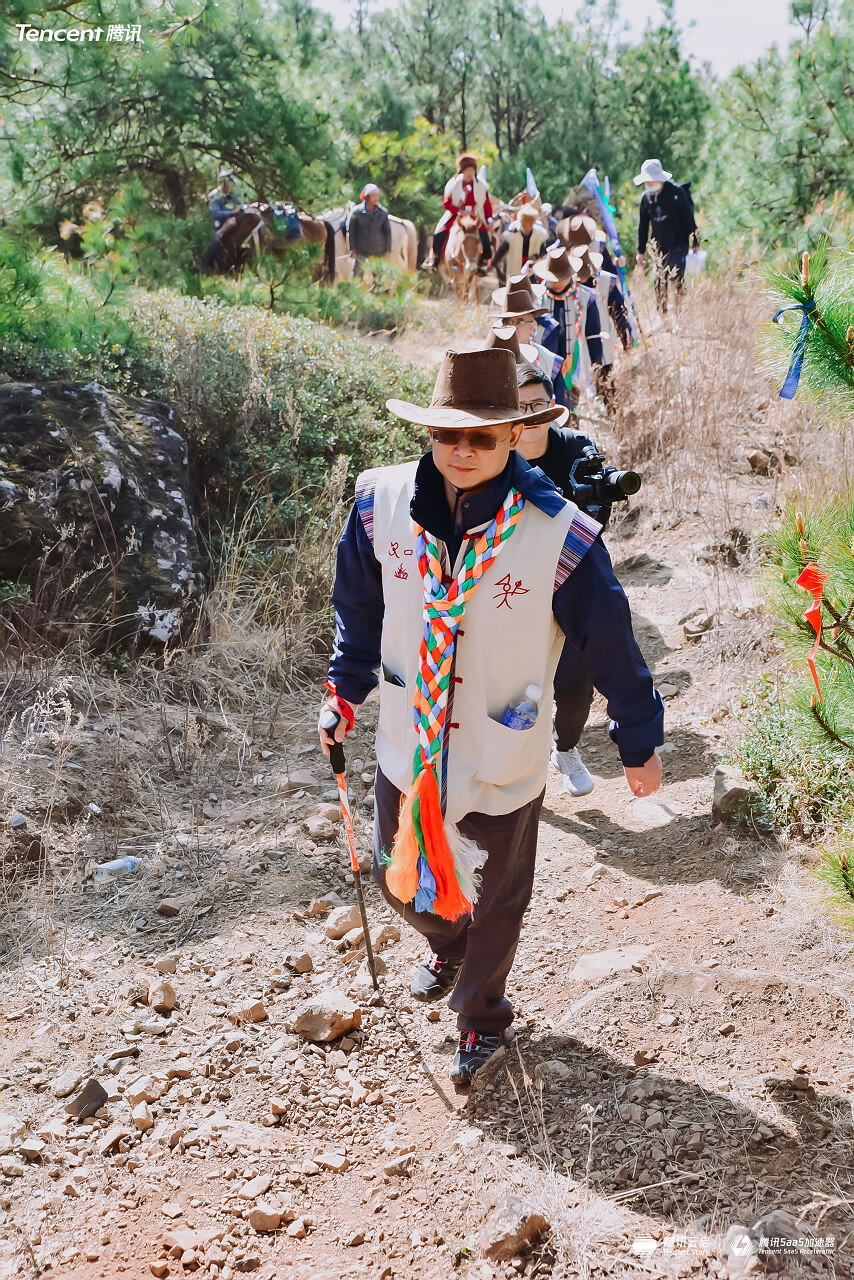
464	193
225	203
524	241
369	230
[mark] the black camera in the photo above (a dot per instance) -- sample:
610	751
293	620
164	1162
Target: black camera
595	487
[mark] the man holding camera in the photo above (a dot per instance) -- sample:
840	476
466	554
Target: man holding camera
556	450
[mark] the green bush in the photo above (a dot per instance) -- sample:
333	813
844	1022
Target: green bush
801	776
268	402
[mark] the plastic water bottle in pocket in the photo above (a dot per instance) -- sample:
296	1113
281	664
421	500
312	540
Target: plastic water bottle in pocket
115	867
523	714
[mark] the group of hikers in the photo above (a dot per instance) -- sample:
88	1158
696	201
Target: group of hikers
473	589
666	226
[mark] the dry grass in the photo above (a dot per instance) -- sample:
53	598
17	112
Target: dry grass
142	738
692	404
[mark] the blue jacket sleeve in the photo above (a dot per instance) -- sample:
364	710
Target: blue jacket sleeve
357	597
592	611
593	333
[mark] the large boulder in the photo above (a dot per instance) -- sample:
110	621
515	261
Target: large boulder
96	528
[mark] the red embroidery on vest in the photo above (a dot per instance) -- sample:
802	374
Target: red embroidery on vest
401	572
508	588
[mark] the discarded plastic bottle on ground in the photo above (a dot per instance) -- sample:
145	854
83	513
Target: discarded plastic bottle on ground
115	867
523	714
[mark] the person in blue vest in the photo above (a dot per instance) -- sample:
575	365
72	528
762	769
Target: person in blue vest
224	202
666	224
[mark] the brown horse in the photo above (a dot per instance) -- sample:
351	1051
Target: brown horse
254	230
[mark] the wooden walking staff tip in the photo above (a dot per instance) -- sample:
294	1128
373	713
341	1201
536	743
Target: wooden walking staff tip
336	759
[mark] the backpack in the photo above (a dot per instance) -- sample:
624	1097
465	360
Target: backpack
285	218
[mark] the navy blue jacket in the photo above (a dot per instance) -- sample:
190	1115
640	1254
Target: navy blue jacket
590	607
666	219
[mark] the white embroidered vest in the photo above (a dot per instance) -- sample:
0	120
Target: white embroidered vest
508	639
610	341
539	236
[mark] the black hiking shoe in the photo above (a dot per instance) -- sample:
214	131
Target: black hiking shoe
476	1049
434	978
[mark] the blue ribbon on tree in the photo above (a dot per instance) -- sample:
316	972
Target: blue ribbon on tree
793	377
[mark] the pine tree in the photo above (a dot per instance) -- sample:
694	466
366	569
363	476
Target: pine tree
812	551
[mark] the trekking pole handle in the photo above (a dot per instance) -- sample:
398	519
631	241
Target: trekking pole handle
328	723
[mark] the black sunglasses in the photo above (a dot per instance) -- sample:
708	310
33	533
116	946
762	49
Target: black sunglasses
477	438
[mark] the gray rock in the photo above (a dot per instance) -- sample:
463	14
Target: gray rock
732	795
748	1250
90	1099
326	1016
12	1130
342	920
99	500
514	1224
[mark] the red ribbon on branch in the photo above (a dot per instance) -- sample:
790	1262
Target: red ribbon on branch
812	580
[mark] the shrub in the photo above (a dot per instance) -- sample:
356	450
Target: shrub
269	402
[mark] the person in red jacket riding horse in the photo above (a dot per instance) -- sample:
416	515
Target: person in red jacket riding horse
464	193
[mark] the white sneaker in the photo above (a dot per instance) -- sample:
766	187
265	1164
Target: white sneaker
576	780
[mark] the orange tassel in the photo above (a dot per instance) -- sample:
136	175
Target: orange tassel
450	903
401	875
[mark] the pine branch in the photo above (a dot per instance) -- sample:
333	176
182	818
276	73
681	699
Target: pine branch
819	716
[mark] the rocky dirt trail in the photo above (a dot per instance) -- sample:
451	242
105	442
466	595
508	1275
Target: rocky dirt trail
199	1080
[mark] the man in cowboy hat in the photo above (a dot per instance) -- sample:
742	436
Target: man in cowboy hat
464	193
224	202
524	241
520	304
578	229
555	448
666	223
573	331
503	337
458	577
369	230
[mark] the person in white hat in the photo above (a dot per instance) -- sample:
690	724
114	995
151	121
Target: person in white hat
369	230
524	241
666	223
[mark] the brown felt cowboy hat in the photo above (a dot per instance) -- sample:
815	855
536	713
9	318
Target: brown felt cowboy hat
555	266
577	230
473	389
585	261
520	297
505	338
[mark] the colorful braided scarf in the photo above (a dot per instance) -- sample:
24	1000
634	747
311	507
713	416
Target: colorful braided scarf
431	863
569	368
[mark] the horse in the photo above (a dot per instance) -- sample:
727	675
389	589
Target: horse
461	258
256	228
403	252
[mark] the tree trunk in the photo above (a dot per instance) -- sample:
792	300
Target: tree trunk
174	185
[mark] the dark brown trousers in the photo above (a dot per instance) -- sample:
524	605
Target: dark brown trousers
486	940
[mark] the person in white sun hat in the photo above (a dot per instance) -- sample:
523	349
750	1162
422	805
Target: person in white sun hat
665	223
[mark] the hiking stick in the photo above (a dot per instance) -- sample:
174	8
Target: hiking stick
336	759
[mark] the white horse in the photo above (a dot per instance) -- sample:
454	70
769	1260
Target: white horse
403	252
